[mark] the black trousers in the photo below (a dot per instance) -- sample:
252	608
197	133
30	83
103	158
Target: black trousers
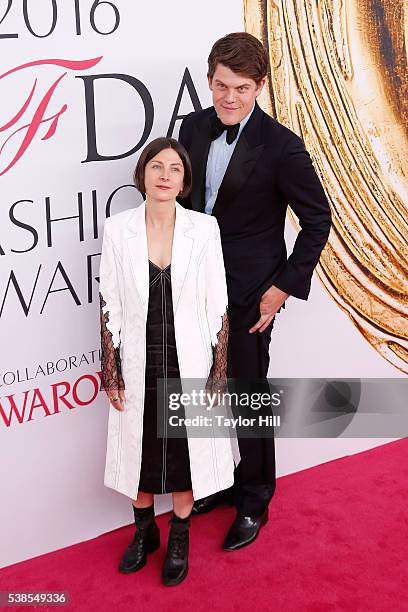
255	475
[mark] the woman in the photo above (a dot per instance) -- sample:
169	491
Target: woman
163	318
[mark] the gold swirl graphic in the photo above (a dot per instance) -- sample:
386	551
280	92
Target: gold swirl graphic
339	79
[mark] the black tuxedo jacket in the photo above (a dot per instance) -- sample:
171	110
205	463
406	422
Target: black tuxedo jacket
269	170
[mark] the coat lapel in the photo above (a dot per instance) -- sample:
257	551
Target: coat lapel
246	153
137	252
183	241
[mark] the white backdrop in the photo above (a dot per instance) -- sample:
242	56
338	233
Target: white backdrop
52	451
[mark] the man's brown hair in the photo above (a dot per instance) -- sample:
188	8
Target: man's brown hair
240	52
151	150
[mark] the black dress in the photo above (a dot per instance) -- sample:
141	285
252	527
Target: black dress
165	460
165	465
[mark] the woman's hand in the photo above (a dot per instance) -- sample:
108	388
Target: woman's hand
116	398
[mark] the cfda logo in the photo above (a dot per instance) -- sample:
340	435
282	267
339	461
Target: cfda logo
33	120
17	134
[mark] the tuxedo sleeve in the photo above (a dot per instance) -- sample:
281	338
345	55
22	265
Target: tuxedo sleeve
302	190
185	132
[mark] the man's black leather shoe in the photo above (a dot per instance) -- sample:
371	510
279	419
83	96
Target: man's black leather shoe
146	540
244	530
206	504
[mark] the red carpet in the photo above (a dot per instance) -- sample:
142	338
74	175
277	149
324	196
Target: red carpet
337	539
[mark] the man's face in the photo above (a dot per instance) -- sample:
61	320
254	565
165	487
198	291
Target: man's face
233	94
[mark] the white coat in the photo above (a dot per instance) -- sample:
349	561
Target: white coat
199	296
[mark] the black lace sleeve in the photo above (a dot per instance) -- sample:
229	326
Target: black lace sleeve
110	356
217	380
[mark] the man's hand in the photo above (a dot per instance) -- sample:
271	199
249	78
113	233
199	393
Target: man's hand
117	398
269	305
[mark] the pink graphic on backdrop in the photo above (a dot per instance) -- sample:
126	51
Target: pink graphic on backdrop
38	119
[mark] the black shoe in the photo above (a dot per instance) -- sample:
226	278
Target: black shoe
175	566
146	540
244	530
206	504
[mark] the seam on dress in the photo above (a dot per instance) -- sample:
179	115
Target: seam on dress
164	361
154	281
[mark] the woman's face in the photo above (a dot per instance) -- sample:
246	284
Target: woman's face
164	176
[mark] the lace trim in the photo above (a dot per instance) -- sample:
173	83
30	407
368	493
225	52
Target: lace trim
110	353
217	379
114	332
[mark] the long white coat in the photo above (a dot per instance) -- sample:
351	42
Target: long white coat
199	300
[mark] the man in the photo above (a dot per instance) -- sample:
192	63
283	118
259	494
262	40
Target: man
247	168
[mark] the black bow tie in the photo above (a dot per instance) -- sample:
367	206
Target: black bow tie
218	127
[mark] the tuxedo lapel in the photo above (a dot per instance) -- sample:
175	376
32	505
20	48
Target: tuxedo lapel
240	167
246	153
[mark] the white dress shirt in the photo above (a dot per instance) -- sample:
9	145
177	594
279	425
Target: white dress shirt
219	156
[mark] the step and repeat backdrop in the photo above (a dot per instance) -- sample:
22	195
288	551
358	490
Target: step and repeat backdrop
83	86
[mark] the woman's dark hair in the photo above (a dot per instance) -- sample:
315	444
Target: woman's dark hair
242	53
151	150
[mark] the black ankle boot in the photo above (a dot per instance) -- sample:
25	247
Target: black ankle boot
175	566
146	540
